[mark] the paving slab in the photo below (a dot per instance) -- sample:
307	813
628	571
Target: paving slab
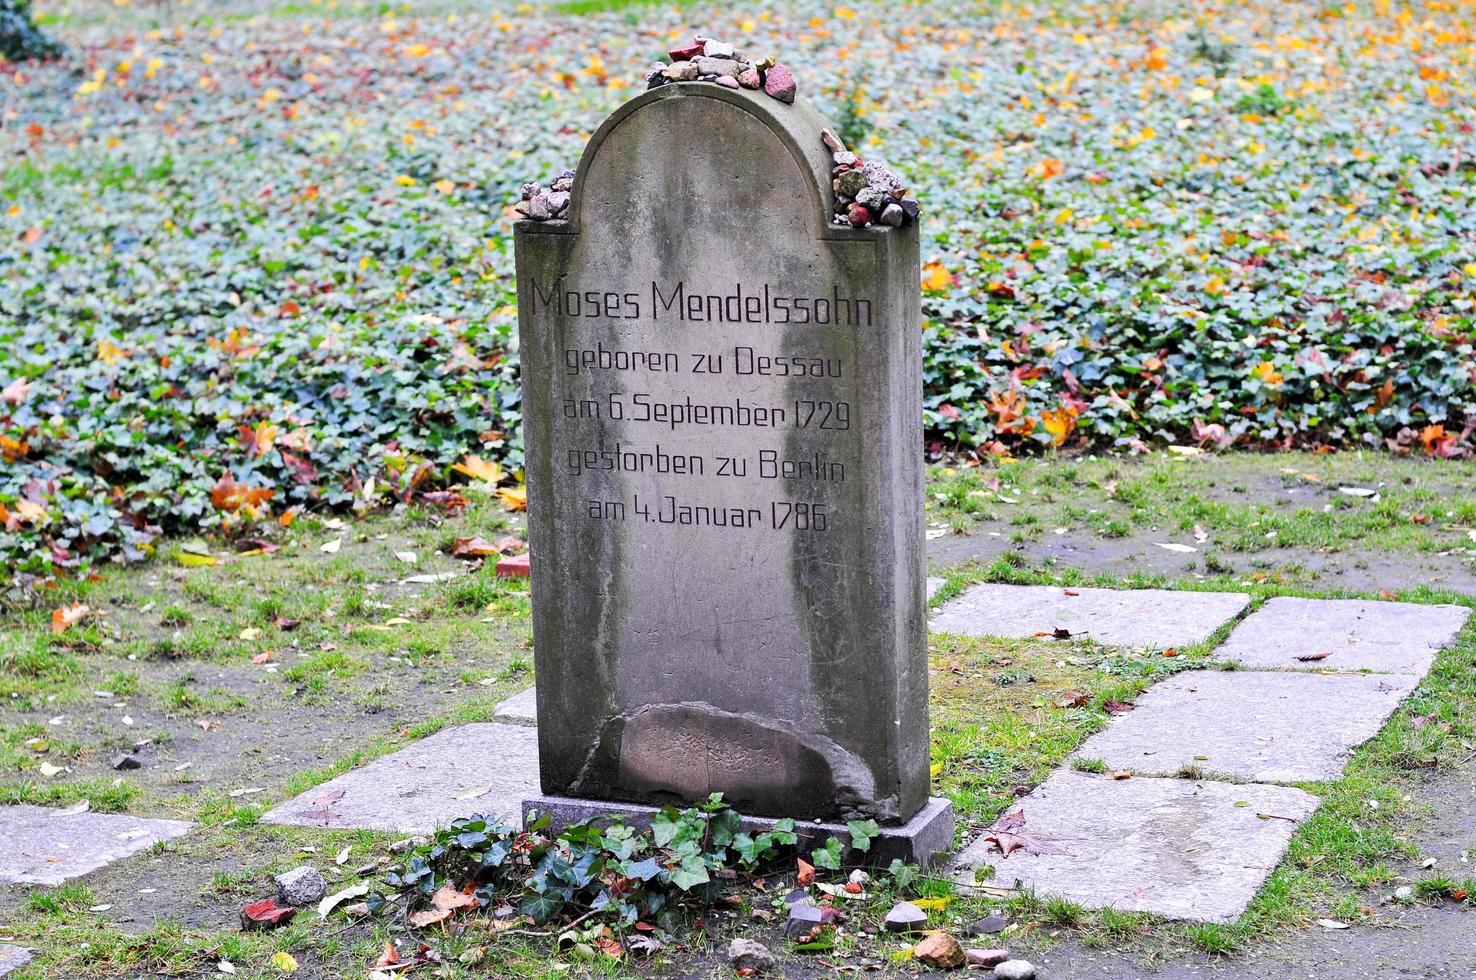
1260	725
522	706
44	846
13	958
1176	848
1118	617
934	584
1360	634
482	768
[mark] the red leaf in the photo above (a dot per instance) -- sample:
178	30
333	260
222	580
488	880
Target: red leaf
265	915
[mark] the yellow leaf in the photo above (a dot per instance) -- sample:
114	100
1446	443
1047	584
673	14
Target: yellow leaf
1215	286
1050	167
406	181
514	498
845	13
417	50
1268	374
1060	424
935	277
283	961
195	561
932	904
109	352
480	469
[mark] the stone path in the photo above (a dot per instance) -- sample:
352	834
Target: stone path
1180	848
1358	634
1118	617
1174	847
1271	727
43	846
1195	848
481	768
13	958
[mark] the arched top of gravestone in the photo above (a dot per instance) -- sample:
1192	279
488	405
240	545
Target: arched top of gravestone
699	148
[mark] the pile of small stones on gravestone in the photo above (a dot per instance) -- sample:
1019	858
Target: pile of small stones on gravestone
865	193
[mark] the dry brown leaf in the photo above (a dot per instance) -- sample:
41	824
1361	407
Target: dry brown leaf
63	617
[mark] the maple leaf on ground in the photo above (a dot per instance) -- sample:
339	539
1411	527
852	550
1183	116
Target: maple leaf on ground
63	617
451	899
1009	835
449	499
478	468
478	546
514	498
230	496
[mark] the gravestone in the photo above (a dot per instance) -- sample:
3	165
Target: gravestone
722	415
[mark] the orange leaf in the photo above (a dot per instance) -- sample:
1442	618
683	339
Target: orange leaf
230	496
480	469
935	277
806	873
514	498
64	616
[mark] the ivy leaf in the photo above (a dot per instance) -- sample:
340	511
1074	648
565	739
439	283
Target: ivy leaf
862	832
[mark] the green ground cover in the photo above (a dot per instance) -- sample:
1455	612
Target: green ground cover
271	672
272	241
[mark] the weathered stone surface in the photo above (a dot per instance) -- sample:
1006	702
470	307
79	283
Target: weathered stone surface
522	706
925	839
779	83
803	918
905	917
1269	727
13	958
852	182
718	49
750	954
1173	847
940	951
301	886
987	958
1117	617
682	71
749	77
892	215
933	585
42	846
482	768
1015	970
735	609
1361	634
722	67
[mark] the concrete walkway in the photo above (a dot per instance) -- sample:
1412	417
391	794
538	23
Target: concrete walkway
1195	849
1322	677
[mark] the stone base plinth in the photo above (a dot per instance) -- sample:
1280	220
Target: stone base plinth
924	840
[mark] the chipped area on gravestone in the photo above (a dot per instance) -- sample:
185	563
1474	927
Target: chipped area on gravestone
1171	847
1117	617
1357	634
1264	726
